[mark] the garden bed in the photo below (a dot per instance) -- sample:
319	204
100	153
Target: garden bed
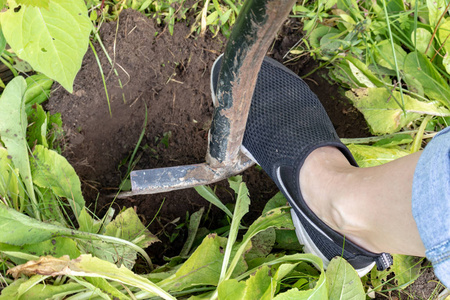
169	76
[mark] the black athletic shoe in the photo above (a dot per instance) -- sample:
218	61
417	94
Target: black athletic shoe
286	123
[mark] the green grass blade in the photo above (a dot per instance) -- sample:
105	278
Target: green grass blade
102	74
207	193
391	40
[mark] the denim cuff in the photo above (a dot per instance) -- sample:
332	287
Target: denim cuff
431	203
440	258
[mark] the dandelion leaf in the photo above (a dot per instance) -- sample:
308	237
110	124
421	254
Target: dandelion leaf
52	170
370	156
406	269
127	226
383	111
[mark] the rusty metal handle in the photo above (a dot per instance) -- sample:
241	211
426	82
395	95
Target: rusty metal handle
254	30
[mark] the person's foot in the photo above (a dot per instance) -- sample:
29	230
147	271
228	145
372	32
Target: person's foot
369	206
286	123
322	179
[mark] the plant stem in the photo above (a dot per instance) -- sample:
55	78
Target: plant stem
102	74
391	39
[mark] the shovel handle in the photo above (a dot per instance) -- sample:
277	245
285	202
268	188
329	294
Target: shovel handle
252	34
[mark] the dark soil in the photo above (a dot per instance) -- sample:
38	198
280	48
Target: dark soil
168	75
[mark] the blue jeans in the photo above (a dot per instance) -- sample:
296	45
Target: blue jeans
431	203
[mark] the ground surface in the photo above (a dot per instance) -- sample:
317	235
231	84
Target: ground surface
170	76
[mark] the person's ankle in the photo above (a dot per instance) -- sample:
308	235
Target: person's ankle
321	177
325	179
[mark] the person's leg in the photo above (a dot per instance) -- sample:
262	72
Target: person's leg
369	206
431	203
402	207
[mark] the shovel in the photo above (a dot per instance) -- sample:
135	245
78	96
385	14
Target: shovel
254	30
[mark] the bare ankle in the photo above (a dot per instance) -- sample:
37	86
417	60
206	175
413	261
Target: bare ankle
320	178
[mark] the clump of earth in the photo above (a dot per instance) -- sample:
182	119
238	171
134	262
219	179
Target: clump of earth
166	78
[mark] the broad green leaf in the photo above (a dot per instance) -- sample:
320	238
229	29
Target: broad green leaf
283	270
37	131
50	206
360	76
116	254
370	156
287	240
125	226
241	208
10	189
20	229
435	10
202	267
87	223
56	247
444	34
52	170
446	62
277	218
36	3
276	201
55	131
395	6
329	4
343	281
320	289
13	128
38	90
398	139
423	38
273	260
406	269
128	226
330	44
384	55
434	85
207	193
11	291
48	291
343	75
414	85
2	37
5	171
384	115
106	287
319	32
21	286
379	278
88	266
224	18
362	67
194	223
231	289
262	244
53	40
260	285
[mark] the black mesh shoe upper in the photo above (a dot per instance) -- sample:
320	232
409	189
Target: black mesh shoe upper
286	122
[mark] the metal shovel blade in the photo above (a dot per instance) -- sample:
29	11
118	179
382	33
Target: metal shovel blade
153	181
